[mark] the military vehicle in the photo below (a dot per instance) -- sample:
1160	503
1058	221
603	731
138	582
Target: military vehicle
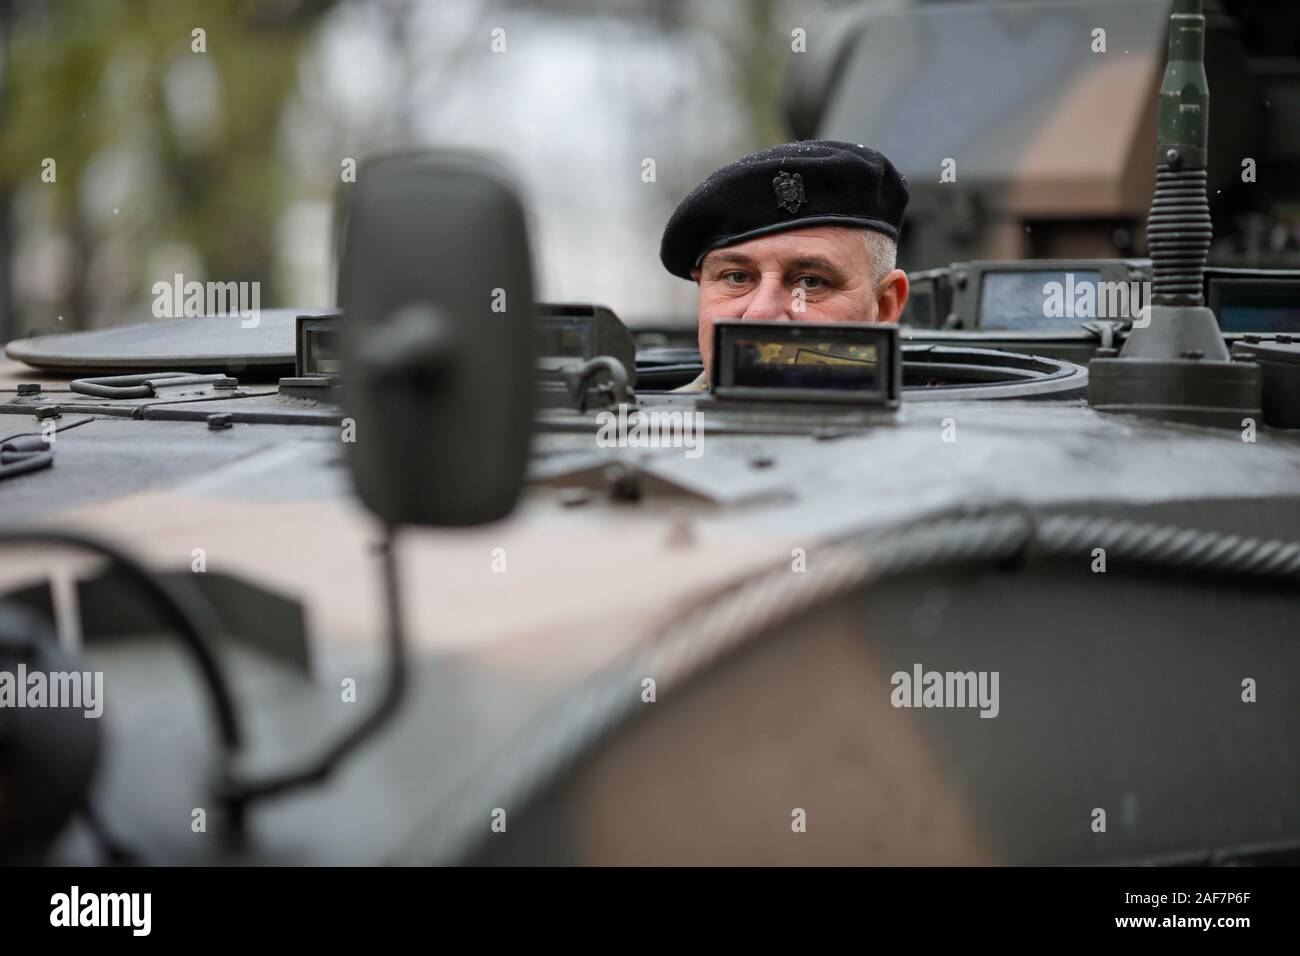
445	575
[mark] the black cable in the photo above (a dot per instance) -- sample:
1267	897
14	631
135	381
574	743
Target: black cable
24	463
115	852
61	428
195	624
319	768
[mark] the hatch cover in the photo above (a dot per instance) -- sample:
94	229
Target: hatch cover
207	343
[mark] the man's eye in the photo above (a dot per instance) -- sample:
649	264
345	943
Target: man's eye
811	282
735	277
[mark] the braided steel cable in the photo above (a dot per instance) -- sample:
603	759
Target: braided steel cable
558	739
1170	546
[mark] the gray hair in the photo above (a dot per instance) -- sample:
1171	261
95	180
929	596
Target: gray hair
883	252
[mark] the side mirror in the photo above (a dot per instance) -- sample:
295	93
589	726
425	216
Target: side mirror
437	338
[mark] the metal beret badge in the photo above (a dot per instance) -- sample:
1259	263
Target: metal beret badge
789	191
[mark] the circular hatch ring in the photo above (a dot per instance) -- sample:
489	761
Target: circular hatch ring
941	373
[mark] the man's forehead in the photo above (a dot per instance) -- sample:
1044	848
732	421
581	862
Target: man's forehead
834	245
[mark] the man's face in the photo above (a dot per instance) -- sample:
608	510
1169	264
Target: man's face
817	274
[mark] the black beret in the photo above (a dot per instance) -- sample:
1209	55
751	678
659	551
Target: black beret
816	182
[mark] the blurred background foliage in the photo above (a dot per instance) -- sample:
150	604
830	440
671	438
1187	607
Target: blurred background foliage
162	155
222	164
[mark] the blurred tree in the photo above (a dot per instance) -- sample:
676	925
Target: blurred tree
759	48
161	137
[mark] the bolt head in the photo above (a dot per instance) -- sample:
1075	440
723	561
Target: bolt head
220	420
48	411
1193	354
29	388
